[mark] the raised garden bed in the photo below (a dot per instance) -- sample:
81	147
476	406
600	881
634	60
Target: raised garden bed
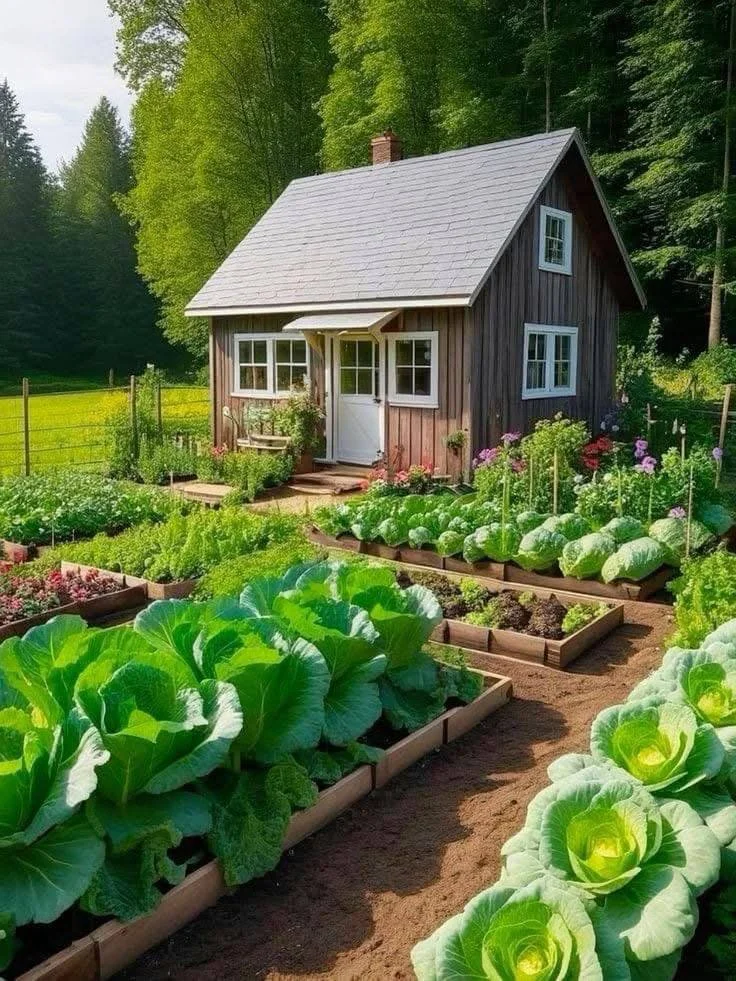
538	646
114	945
153	590
128	595
504	572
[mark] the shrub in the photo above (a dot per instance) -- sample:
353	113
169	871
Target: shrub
227	578
248	471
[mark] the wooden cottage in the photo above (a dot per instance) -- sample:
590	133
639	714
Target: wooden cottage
476	290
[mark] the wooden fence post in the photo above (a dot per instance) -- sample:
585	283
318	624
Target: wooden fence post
111	378
724	416
133	417
26	429
159	410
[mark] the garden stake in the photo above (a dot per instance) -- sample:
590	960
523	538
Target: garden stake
555	478
689	510
531	482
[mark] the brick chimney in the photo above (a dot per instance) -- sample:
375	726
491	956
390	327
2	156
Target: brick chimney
386	147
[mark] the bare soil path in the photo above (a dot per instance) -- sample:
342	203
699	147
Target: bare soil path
351	902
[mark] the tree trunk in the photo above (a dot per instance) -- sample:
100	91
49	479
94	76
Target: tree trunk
716	296
547	71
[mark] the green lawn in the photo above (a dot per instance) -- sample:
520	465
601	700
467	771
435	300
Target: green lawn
68	429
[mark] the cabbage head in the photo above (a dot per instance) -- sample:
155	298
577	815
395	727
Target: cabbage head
497	541
624	529
722	639
717	519
49	851
705	680
419	536
529	520
671	533
640	861
392	531
570	526
539	549
472	552
450	542
634	561
540	931
585	557
661	744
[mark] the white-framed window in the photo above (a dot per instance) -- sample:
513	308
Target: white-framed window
270	365
413	368
550	361
555	240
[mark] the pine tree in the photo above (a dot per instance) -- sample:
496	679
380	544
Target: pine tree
112	310
26	307
674	194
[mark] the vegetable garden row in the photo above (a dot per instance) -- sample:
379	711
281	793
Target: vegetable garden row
150	767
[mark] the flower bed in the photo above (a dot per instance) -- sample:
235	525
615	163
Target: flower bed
61	506
619	851
31	600
329	660
547	628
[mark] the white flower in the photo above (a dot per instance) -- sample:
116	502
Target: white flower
603	425
614	429
578	478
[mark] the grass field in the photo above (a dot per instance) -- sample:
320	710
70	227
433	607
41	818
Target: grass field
68	429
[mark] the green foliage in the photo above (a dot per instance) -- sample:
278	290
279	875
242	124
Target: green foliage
705	595
198	65
715	368
603	880
585	557
71	504
248	471
182	546
300	418
228	577
580	615
182	729
634	560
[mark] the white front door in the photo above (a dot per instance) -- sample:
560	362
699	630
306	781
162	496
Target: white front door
358	416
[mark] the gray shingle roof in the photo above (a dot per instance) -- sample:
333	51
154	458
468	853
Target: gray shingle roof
423	228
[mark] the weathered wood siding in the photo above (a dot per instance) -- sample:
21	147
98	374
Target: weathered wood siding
222	368
417	435
412	435
519	292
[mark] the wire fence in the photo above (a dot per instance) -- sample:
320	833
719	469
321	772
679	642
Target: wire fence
42	428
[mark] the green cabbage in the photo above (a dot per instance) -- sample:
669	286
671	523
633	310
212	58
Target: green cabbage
419	536
570	526
539	549
392	531
634	560
472	552
624	529
450	543
671	533
538	931
716	518
642	862
585	557
529	520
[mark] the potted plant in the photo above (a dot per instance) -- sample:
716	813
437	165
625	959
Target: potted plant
300	418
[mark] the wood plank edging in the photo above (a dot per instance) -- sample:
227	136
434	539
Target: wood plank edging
115	945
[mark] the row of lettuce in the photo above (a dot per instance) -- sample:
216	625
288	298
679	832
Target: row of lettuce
603	880
130	753
478	529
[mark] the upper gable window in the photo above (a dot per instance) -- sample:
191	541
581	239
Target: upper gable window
555	240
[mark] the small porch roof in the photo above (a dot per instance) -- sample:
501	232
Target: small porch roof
365	321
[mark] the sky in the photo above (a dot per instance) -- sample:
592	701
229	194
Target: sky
58	57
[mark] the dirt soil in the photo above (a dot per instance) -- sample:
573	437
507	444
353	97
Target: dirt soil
350	902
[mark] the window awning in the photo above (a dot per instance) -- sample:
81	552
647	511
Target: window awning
367	321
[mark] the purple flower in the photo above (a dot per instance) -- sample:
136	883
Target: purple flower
717	454
677	512
640	448
488	455
647	465
509	438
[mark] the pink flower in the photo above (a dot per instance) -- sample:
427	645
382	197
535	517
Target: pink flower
647	465
677	512
717	454
640	448
508	438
